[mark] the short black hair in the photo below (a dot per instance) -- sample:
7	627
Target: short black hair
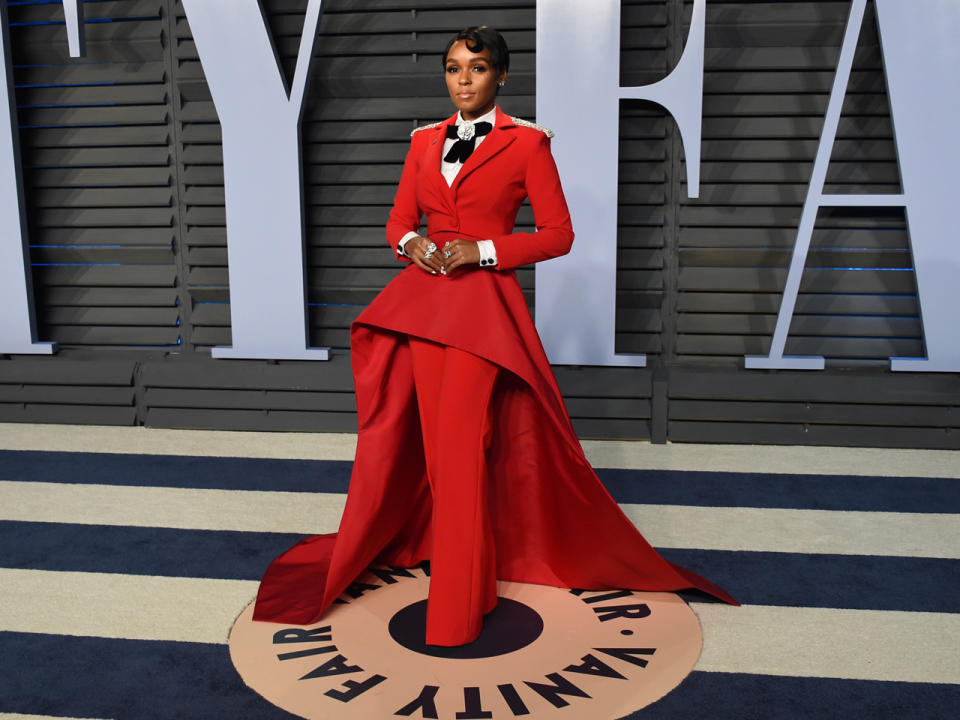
479	37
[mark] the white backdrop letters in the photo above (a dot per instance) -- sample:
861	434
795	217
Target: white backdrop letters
921	57
262	177
576	295
578	53
18	331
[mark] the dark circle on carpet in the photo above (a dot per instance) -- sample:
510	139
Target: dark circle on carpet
507	628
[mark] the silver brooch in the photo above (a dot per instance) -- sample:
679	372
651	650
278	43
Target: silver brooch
466	131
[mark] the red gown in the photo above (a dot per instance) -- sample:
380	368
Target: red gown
553	521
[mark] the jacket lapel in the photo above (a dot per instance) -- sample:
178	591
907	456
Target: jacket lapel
492	144
432	163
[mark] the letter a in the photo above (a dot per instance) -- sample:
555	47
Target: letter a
262	178
578	95
920	55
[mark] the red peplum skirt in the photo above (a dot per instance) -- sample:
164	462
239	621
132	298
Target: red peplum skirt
553	522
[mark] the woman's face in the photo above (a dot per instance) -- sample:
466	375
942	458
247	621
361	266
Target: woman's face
471	80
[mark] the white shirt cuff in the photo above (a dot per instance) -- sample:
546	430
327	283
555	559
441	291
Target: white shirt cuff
488	253
403	242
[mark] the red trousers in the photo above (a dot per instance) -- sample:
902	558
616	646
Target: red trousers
454	390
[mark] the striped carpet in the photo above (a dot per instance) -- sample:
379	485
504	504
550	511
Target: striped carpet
126	553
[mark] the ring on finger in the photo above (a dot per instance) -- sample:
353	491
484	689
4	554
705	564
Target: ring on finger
447	253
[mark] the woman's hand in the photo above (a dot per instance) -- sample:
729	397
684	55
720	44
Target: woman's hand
459	252
416	250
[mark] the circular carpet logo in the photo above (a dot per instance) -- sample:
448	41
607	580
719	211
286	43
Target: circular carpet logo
542	650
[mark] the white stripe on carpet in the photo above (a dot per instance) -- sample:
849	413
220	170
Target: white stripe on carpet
801	642
184	508
636	455
667	526
135	607
839	532
826	642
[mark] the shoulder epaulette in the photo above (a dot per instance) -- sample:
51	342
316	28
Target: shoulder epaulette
425	127
525	123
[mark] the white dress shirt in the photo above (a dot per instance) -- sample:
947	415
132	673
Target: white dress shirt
449	170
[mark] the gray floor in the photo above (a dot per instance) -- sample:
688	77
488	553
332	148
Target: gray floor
772	640
608	454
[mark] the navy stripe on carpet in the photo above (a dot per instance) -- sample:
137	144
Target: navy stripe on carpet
152	680
770	490
857	582
661	487
740	696
220	554
178	471
757	578
124	679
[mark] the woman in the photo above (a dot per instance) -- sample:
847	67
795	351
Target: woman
466	456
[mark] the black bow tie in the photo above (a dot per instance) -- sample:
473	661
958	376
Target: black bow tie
466	140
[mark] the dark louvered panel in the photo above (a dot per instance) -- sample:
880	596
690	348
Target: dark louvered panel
124	177
250	395
642	229
608	402
865	407
644	223
68	388
95	144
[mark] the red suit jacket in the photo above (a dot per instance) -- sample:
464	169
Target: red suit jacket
512	163
554	522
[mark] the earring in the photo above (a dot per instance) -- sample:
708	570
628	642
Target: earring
501	84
